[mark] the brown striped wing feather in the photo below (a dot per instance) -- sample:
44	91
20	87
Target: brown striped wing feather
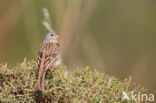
46	55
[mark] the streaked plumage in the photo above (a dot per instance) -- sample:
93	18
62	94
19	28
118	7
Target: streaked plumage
47	54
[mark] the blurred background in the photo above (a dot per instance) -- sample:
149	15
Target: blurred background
116	37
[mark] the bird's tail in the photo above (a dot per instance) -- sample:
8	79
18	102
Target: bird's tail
40	81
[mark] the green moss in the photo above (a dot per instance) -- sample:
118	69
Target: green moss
80	86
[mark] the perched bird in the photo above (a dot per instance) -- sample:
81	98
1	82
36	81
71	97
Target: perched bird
46	57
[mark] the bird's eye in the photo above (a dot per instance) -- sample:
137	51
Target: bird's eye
51	34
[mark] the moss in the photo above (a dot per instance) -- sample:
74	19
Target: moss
79	86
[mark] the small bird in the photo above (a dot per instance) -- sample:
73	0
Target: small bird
46	57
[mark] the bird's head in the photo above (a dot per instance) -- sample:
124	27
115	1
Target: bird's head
51	37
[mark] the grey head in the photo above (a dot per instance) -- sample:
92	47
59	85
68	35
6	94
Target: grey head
51	37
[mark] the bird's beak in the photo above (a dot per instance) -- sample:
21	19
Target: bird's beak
57	35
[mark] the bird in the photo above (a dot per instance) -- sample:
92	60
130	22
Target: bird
46	57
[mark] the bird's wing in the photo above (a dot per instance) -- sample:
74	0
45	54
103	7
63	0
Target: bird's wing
46	55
